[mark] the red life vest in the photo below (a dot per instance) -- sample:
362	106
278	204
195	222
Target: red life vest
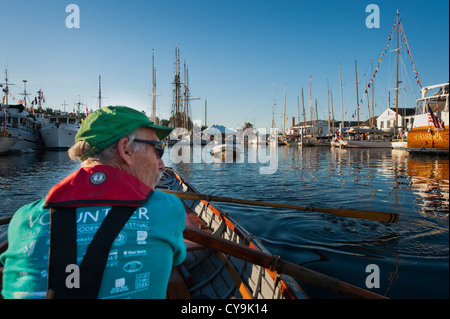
98	185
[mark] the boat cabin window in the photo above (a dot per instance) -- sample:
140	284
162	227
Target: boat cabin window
71	120
435	104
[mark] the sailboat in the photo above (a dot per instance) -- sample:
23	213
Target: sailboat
401	135
365	137
337	140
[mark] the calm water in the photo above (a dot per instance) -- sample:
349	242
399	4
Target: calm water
412	255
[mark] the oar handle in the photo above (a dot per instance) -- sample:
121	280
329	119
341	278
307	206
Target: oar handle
274	263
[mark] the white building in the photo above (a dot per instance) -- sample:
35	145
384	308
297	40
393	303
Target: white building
386	120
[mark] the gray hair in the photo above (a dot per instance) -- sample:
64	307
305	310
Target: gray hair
107	156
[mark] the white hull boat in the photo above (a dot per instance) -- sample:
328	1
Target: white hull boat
59	133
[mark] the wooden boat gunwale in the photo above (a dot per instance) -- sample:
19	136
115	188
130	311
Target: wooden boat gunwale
287	286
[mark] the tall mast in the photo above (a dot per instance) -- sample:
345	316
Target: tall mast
332	111
371	87
357	98
6	89
317	119
185	97
40	99
284	116
328	101
304	115
205	113
368	107
64	106
99	91
396	80
153	88
25	92
342	102
177	121
310	108
273	106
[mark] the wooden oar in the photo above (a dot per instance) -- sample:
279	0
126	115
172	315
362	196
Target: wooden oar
345	212
5	220
274	263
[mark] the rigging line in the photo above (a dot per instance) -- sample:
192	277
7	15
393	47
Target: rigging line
409	80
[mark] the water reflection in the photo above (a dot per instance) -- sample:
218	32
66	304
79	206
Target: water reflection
431	180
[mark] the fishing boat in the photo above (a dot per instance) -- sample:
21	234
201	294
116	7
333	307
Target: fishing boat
59	133
20	123
429	133
24	126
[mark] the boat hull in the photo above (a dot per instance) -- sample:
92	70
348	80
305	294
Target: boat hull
26	140
399	143
365	144
59	138
423	138
226	151
6	143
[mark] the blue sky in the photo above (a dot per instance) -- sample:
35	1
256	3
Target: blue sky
235	51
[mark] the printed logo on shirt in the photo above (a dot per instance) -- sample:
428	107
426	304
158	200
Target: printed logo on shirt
120	239
120	286
133	266
141	237
97	178
135	253
142	280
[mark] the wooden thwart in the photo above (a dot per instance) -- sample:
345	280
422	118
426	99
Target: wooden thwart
344	212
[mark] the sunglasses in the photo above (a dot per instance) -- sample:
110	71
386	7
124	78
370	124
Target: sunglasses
159	146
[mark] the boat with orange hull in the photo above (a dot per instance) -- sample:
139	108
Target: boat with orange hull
431	122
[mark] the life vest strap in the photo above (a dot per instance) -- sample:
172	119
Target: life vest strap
63	251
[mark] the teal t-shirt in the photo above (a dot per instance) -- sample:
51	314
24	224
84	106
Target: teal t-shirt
139	262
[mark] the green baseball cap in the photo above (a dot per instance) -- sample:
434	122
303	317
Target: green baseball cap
109	124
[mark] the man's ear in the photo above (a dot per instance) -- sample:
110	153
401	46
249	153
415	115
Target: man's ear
123	147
